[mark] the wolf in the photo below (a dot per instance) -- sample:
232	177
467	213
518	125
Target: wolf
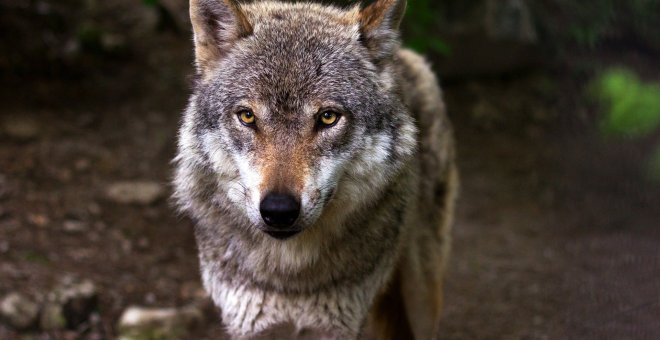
317	162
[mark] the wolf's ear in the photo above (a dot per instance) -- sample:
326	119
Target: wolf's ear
379	23
217	24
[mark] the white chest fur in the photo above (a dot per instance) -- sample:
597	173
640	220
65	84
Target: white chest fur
248	312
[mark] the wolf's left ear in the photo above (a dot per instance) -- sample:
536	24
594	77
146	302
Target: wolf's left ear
217	25
379	23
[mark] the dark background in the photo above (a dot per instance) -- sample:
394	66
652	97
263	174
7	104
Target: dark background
556	106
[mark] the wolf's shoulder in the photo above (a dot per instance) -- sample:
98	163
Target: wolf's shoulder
417	75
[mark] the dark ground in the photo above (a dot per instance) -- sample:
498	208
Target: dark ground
555	237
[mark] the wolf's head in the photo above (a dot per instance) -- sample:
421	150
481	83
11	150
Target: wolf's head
296	113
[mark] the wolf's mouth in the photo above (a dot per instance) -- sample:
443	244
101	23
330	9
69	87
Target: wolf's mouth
282	235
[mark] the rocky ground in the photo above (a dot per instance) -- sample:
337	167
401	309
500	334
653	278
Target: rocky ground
556	234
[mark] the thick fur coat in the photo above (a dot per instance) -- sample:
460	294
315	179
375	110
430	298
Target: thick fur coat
375	189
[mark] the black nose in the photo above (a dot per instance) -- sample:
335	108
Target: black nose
279	210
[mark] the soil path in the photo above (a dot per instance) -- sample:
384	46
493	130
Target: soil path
557	234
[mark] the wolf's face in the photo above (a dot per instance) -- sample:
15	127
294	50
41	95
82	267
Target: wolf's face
295	108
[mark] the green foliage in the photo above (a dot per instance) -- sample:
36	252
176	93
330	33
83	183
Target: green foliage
632	107
421	19
151	3
591	20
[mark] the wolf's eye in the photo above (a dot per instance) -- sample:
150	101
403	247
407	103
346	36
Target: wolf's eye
328	119
247	117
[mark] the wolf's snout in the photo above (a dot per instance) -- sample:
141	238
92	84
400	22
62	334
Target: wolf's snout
279	210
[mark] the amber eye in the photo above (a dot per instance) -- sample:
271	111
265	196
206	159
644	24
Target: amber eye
329	118
247	117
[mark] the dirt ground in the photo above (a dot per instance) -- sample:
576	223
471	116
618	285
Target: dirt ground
555	236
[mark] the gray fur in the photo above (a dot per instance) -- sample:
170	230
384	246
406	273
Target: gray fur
377	189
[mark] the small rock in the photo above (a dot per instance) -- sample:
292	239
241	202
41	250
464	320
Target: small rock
82	164
74	226
154	323
143	193
126	246
39	220
77	213
20	311
150	298
21	128
113	42
11	272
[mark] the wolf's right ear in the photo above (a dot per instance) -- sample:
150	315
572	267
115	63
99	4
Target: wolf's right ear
217	24
379	23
